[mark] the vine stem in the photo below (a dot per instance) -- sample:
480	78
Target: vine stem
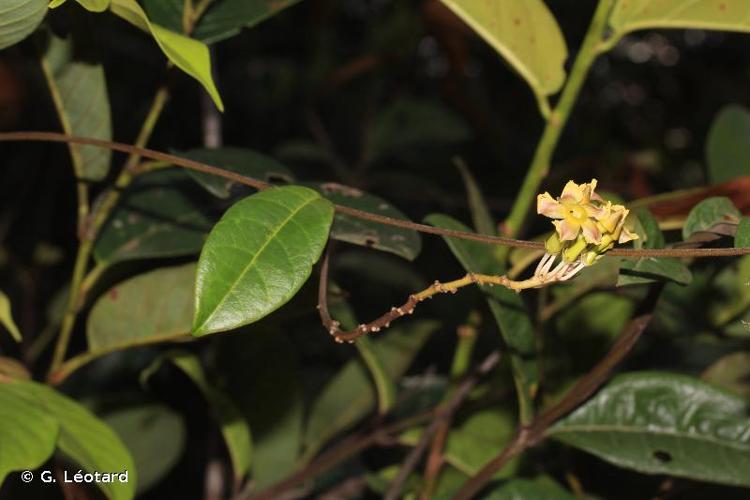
556	121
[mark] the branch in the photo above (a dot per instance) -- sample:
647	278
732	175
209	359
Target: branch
527	437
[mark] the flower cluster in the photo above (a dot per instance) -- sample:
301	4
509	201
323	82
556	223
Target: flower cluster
586	226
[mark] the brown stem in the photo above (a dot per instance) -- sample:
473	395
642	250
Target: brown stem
527	437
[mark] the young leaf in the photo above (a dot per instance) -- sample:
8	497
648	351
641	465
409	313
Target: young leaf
223	20
661	423
27	432
525	33
155	436
506	306
402	242
709	215
349	396
191	56
79	93
727	150
94	5
18	19
160	215
153	307
258	256
241	161
6	317
742	237
233	425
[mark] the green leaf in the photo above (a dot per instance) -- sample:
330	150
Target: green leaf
233	426
662	423
94	5
258	256
6	317
525	33
224	19
79	93
650	235
159	215
731	372
241	161
403	242
191	56
506	306
727	150
483	221
155	436
709	215
153	307
27	432
539	488
350	394
650	269
87	440
18	19
742	237
724	15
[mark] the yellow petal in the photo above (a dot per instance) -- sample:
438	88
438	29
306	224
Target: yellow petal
591	232
572	192
548	206
567	229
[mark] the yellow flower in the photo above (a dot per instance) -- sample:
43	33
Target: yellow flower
576	210
611	221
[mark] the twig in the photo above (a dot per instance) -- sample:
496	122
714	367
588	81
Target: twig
531	435
394	490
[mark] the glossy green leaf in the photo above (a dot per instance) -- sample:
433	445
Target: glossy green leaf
731	372
79	93
27	432
153	307
190	55
241	161
87	440
742	237
6	318
727	150
403	242
525	34
650	235
483	221
232	423
723	15
160	215
155	436
258	256
506	306
18	19
662	423
223	20
709	215
650	269
350	395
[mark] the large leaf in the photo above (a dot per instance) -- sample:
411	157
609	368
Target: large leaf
727	146
153	307
155	436
79	93
525	33
241	161
403	242
258	256
350	394
87	440
160	215
6	318
224	19
709	215
231	422
724	15
27	432
19	18
661	423
191	56
506	306
92	5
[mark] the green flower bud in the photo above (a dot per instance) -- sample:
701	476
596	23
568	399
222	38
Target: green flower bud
571	253
553	245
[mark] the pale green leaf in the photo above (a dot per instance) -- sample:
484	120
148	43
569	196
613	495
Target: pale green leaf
525	33
258	256
94	5
6	317
233	425
709	215
662	423
190	55
728	144
79	93
742	237
153	307
18	19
